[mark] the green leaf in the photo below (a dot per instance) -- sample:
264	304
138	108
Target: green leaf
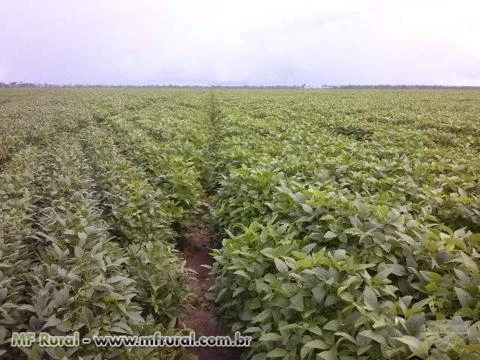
370	298
281	266
465	299
412	342
308	209
309	346
328	355
376	337
468	262
121	327
346	336
319	292
332	325
305	351
242	273
259	356
83	237
51	322
415	323
262	316
317	344
238	291
330	235
297	302
276	353
270	337
253	329
315	329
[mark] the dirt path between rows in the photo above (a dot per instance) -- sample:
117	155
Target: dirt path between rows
201	319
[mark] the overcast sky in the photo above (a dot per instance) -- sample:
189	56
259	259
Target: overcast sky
238	42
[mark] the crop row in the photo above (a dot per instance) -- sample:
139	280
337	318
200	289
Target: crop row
89	221
353	232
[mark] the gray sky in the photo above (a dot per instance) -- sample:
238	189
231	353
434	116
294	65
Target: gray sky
250	42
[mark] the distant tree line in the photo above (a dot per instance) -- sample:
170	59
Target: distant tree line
303	86
432	87
36	85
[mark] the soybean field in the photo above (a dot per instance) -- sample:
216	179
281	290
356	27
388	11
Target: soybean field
344	224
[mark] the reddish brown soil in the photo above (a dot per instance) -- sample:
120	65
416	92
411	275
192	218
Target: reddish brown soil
201	319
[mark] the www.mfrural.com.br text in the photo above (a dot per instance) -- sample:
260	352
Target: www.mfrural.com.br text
44	339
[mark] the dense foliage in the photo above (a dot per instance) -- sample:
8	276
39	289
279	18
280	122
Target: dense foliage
353	223
91	208
349	220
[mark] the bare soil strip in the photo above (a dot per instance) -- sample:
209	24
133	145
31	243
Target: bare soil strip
201	319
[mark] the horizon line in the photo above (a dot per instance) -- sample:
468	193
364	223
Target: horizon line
297	86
